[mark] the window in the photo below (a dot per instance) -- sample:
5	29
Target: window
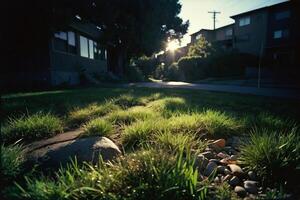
228	32
281	34
90	49
282	15
84	48
65	41
244	21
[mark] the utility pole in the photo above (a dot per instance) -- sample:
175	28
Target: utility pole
214	17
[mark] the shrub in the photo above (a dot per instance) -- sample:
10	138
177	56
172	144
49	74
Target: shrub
31	127
274	156
193	68
131	115
134	74
147	65
12	159
81	115
97	127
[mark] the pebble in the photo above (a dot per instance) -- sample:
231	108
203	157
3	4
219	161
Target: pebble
234	181
227	171
252	176
227	177
233	157
240	191
221	169
220	143
250	186
215	161
210	168
201	162
236	170
208	155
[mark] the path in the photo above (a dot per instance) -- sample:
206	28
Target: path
269	92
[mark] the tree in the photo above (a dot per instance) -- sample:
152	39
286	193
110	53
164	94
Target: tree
201	48
132	28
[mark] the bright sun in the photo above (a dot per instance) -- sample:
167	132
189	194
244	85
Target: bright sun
172	45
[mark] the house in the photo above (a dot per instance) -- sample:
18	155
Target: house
64	58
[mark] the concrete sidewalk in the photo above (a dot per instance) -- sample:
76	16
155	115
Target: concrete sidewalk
269	92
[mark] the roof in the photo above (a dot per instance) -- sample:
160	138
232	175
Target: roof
212	29
259	9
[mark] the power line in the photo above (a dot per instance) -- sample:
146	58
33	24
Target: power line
214	17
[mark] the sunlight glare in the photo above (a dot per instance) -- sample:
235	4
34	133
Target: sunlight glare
172	45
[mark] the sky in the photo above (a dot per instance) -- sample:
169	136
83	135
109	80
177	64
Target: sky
196	11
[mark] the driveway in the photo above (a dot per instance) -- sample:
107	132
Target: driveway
269	92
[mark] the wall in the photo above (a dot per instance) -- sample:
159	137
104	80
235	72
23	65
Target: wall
256	32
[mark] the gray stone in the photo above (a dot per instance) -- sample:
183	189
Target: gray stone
201	162
233	157
221	169
210	168
227	177
208	155
236	170
252	175
84	149
227	171
250	186
234	181
240	191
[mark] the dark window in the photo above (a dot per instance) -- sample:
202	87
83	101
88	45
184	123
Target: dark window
281	34
65	41
91	49
99	52
244	21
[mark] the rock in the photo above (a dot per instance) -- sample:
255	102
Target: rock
217	180
221	169
234	181
227	177
252	175
210	168
233	157
227	171
222	155
250	186
236	170
240	191
220	143
84	149
215	161
201	162
208	155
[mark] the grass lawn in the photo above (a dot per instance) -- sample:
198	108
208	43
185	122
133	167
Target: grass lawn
157	128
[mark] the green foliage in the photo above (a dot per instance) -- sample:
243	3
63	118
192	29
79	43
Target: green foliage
202	48
97	127
139	133
146	64
81	115
131	115
223	192
168	106
274	156
12	159
193	68
126	101
31	127
174	142
134	74
135	176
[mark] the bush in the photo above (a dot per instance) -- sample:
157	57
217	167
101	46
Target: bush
12	159
81	115
97	127
134	74
125	101
147	65
193	68
274	156
31	127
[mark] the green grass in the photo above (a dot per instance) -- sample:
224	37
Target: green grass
97	127
139	175
81	115
131	115
31	127
12	160
274	156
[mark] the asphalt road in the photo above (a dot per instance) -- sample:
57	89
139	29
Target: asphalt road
269	92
